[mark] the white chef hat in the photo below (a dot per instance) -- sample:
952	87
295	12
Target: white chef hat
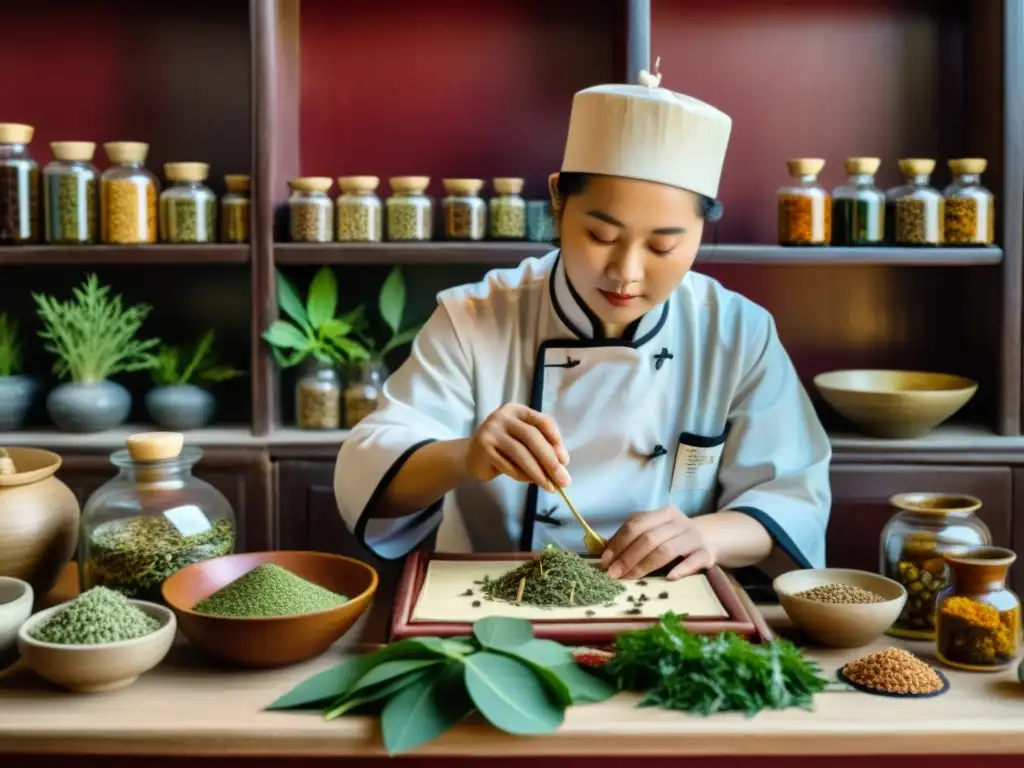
647	132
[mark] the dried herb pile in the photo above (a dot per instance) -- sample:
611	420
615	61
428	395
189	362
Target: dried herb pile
268	591
423	686
99	615
555	579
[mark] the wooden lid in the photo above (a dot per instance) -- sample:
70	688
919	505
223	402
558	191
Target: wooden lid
862	164
311	183
16	133
412	184
916	166
804	166
974	165
505	185
359	183
155	446
237	182
73	151
186	171
126	151
463	186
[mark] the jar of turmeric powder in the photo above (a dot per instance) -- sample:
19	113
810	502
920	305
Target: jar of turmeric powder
805	208
977	618
128	195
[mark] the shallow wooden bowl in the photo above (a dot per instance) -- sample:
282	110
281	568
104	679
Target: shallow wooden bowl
271	642
96	668
895	404
846	625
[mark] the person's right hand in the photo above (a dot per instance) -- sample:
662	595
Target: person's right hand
519	442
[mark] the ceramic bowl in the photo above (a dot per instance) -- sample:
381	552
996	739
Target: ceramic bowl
16	598
895	404
848	625
100	667
269	642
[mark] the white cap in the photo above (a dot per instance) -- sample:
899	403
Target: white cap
647	132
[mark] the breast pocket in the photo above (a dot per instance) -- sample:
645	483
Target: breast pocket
697	461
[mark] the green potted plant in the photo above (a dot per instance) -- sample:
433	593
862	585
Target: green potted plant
16	390
178	401
93	336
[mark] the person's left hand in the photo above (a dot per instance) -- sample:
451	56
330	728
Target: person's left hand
651	540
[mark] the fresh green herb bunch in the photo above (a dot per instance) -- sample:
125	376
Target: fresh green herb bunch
391	306
176	366
705	674
423	686
10	347
99	615
269	591
555	578
94	334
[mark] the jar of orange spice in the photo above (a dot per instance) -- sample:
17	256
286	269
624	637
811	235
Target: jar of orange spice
805	208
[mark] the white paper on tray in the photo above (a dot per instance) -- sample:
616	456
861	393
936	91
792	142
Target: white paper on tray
442	598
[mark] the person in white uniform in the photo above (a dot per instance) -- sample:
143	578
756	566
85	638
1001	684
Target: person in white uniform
661	401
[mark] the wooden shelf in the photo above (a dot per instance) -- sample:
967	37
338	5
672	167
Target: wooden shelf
102	255
104	442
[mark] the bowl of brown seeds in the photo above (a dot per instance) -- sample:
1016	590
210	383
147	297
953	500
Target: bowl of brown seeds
840	607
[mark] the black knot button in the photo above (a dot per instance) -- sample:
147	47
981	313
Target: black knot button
661	357
657	453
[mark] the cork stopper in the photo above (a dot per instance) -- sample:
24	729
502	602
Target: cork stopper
16	133
863	165
73	151
469	187
508	186
186	171
805	166
916	166
154	446
126	151
359	183
311	183
409	184
237	182
971	165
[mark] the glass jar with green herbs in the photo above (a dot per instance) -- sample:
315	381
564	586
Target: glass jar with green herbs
188	208
858	206
69	194
410	211
508	210
359	210
235	209
19	186
465	212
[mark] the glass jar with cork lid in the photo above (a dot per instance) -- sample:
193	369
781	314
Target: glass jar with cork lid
19	186
465	212
913	543
128	195
318	396
69	194
359	210
188	208
236	209
310	210
916	209
153	519
410	210
858	206
805	209
508	210
970	209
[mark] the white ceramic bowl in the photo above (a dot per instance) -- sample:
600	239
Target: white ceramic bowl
16	598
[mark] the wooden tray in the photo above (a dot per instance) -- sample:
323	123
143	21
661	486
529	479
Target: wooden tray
742	619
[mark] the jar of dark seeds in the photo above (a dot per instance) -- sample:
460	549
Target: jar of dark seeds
359	210
310	210
128	195
410	211
235	209
465	212
858	206
69	194
19	186
916	210
188	208
318	396
805	208
969	207
363	391
508	210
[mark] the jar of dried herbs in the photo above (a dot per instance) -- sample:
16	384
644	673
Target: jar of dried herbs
540	225
19	186
154	518
970	209
410	211
464	211
805	208
235	209
318	396
913	543
359	210
508	210
916	212
188	208
310	210
978	625
363	391
69	194
128	195
858	206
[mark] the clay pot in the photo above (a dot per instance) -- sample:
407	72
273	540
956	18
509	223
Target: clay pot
39	518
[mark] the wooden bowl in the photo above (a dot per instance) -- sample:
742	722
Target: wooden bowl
848	625
101	667
269	642
16	598
895	404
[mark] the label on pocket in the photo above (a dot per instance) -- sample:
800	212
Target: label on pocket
696	467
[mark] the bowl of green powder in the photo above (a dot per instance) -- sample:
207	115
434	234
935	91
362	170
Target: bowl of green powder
100	641
269	609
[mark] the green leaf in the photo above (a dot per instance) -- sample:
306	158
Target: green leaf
356	699
285	336
334	328
510	695
353	349
424	710
500	633
555	664
392	300
387	670
289	302
323	297
405	337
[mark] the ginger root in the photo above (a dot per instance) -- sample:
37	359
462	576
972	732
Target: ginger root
6	463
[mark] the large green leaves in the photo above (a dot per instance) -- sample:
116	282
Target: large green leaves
425	709
290	303
285	336
392	300
322	301
510	696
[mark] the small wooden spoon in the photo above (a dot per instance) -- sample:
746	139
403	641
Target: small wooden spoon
595	544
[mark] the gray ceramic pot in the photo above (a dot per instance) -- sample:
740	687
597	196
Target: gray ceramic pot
180	407
16	394
91	407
